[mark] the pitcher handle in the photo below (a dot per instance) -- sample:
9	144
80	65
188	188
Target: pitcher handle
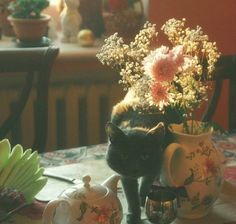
49	211
173	155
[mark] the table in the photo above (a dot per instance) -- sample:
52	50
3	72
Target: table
77	162
91	159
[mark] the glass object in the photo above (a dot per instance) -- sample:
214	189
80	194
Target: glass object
91	12
161	206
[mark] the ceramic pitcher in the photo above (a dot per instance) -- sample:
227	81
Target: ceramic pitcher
195	168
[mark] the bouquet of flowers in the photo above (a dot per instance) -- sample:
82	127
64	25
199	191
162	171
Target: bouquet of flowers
164	77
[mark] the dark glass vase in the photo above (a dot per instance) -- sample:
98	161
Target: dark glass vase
91	13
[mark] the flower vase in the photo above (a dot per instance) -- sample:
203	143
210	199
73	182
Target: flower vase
194	167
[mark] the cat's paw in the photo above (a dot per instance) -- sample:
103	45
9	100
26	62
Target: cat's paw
142	201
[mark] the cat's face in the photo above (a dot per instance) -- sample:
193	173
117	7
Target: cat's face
135	152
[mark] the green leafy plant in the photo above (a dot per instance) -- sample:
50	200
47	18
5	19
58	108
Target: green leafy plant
21	176
28	8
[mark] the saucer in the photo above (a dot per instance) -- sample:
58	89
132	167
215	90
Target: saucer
44	42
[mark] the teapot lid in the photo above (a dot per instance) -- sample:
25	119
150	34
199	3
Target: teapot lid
87	191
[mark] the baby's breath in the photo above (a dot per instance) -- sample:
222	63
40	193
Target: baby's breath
127	59
192	58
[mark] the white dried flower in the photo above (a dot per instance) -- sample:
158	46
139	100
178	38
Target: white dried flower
164	76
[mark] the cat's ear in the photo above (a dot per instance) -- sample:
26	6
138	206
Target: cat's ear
157	131
114	133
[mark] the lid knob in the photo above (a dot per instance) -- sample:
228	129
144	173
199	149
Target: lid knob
86	179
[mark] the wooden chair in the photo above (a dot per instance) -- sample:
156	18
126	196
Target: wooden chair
225	70
35	64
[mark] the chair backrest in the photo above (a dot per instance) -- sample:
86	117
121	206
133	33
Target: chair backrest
225	70
35	64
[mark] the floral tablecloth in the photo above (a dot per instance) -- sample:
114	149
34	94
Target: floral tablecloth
93	158
73	163
73	155
226	143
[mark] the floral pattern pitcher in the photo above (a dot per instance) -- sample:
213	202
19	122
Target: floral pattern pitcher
195	168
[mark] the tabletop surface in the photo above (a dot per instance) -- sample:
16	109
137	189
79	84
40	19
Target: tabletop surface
88	160
77	162
66	49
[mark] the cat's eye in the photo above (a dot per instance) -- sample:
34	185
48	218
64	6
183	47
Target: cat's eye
144	156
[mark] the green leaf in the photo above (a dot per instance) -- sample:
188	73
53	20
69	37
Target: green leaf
27	8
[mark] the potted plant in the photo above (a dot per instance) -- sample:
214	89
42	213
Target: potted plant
29	24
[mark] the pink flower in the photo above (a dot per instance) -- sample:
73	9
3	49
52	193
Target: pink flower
102	218
159	93
102	215
177	54
161	64
211	167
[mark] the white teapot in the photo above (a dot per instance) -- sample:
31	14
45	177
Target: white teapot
83	204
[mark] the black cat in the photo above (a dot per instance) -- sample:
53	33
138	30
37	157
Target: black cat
135	152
